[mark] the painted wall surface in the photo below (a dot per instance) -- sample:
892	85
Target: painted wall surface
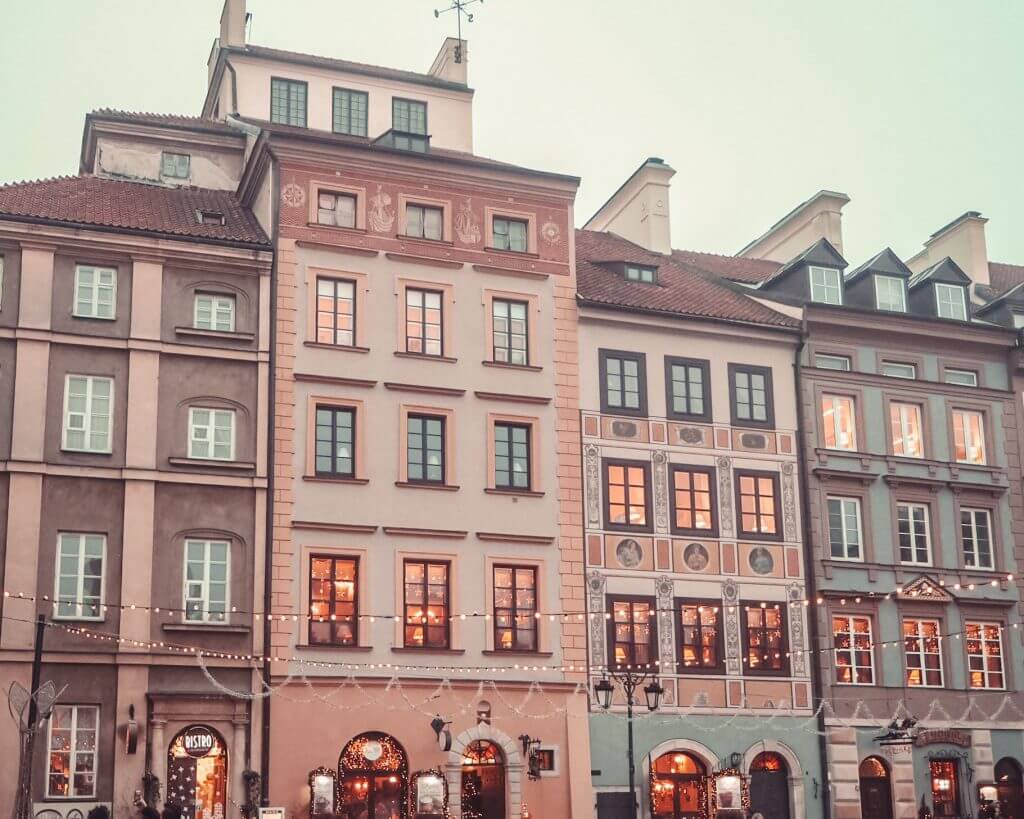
135	158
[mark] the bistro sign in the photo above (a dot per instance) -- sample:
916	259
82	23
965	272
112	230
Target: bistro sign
943	736
198	741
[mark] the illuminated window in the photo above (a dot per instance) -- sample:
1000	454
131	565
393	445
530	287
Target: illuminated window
984	655
631	637
945	788
700	636
905	425
765	643
693	494
333	600
968	437
758	504
426	604
853	650
71	761
515	607
335	442
838	422
627	498
922	651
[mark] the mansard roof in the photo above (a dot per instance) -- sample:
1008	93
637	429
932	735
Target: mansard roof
886	263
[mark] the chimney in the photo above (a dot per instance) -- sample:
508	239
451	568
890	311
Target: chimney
820	217
963	240
638	210
450	62
232	24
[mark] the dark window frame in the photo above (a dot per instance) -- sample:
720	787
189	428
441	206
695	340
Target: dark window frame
406	623
704	366
423	323
769	389
424	416
335	281
514	609
719	668
712	474
528	428
526	335
335	90
410	101
652	637
745	646
355	601
305	102
641	359
648	526
742	533
334	410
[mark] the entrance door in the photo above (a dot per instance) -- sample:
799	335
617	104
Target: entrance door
875	789
372	766
197	773
679	789
483	781
1009	788
769	786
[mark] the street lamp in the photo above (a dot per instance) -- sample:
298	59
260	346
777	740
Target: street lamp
630	679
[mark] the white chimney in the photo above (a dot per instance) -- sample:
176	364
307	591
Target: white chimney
232	24
450	62
820	217
963	240
639	210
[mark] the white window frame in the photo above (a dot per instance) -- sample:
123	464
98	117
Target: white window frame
971	381
922	653
852	651
174	165
217	301
210	433
87	415
985	672
903	406
897	306
205	582
979	445
913	546
960	302
822	289
844	360
640	273
975	563
79	599
72	751
891	369
92	310
835	403
843	501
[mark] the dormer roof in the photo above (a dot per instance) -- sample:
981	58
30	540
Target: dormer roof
885	263
946	271
821	253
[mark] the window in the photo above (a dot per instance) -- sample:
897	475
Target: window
71	761
350	109
764	632
966	378
693	501
209	217
176	166
945	775
895	369
335	442
545	760
426	604
423	322
844	528
890	294
758	504
95	292
515	604
425	449
639	273
700	636
905	424
424	222
509	234
826	285
337	209
336	312
968	437
79	592
511	456
976	536
206	580
88	407
913	532
509	331
923	653
409	122
211	434
628	501
825	361
839	427
623	382
853	652
632	638
288	102
333	601
751	396
213	312
984	655
950	301
688	386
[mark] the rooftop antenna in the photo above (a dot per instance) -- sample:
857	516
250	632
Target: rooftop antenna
459	7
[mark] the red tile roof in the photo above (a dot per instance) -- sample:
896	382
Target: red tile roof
683	289
1004	276
131	206
167	120
734	268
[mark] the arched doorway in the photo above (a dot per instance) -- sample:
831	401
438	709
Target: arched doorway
679	787
197	773
769	786
1009	786
875	789
374	772
483	781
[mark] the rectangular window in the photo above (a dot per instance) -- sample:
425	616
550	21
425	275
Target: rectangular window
336	312
426	604
945	776
95	292
509	234
175	166
623	382
896	369
211	434
333	600
423	322
826	285
79	592
693	501
628	500
966	378
951	301
639	273
853	650
425	449
213	312
511	456
206	580
409	122
968	437
832	362
335	442
976	535
751	396
984	655
922	650
890	294
510	331
515	607
839	425
350	109
905	425
700	636
71	761
757	493
632	633
88	409
337	209
288	102
424	222
914	535
764	632
844	528
688	388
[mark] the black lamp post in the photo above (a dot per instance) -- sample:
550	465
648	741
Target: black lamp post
630	679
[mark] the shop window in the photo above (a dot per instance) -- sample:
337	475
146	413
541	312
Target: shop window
374	775
197	772
945	787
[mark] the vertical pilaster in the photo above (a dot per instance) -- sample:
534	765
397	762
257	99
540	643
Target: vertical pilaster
158	752
132	682
843	772
237	766
21	566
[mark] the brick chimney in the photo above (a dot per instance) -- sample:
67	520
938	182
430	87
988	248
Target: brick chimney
450	62
820	217
639	210
963	240
232	24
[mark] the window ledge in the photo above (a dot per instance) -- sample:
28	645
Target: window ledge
442	487
506	366
407	237
335	479
211	463
67	619
519	493
427	650
87	451
517	254
212	628
340	228
494	652
424	357
93	318
339	347
331	647
225	335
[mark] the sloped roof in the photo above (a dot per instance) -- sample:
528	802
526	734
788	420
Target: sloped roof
1005	276
132	207
734	268
683	289
885	262
945	267
166	120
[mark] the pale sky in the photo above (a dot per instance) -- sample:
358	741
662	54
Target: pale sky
915	108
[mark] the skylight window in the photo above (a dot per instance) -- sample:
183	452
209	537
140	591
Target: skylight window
209	217
640	273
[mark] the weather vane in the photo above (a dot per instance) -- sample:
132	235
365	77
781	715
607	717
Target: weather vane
459	7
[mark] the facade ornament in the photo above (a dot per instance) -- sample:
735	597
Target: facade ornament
795	593
591	454
467	228
665	591
660	461
725	495
595	591
293	195
551	233
789	502
731	626
381	215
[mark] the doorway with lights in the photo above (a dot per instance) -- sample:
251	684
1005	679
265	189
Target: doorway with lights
373	778
483	781
679	787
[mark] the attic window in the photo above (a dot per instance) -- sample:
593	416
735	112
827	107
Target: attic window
889	294
640	273
826	285
209	217
175	166
950	301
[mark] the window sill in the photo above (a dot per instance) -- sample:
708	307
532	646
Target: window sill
335	479
87	451
343	348
331	647
407	237
530	368
340	228
441	487
767	426
696	534
224	335
59	619
211	628
755	536
212	463
427	650
424	357
517	254
93	318
495	652
517	493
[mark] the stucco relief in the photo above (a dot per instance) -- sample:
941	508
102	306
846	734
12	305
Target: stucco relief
725	495
593	484
551	233
381	215
293	195
660	461
795	593
467	226
665	591
730	607
595	602
788	503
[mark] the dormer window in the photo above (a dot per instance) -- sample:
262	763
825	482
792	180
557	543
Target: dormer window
890	294
826	285
951	301
409	125
640	273
209	217
174	166
288	102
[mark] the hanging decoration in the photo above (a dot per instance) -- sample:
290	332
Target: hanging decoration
428	796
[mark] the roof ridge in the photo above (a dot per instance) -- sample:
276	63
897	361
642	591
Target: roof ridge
60	178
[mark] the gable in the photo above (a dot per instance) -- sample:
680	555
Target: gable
924	589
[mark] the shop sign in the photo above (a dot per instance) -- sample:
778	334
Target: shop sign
198	741
943	736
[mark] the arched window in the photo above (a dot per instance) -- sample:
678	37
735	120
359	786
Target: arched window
875	788
873	768
483	780
769	786
769	762
1009	790
679	786
374	773
197	772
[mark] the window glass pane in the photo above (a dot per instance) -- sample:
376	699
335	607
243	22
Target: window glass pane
333	601
976	537
95	292
969	437
844	528
426	604
423	322
894	369
425	449
627	495
765	638
890	294
350	109
854	658
951	301
922	653
515	607
700	635
693	500
967	378
838	422
905	426
87	415
912	527
758	506
751	397
832	362
826	285
687	389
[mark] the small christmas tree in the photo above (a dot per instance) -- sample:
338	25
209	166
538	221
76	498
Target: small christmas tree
472	804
